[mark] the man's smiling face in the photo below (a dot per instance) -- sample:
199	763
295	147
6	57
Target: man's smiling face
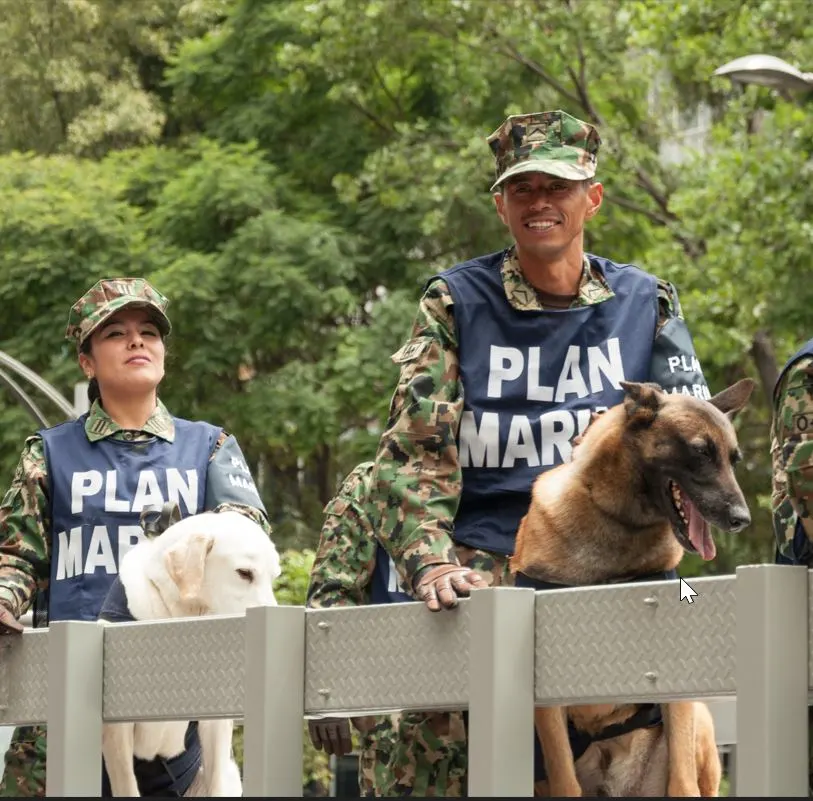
546	214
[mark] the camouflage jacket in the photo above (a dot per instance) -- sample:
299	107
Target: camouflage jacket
417	475
25	525
342	571
792	455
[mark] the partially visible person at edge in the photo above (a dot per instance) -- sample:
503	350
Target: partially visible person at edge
509	355
74	505
352	569
792	473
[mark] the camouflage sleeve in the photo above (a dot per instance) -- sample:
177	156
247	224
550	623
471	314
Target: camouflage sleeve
792	455
345	559
417	477
229	484
25	550
674	363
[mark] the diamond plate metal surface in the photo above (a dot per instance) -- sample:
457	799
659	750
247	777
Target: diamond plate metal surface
196	671
385	657
24	678
596	643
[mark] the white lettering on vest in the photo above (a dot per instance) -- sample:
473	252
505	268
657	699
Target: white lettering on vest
100	551
84	484
177	486
571	381
73	560
480	448
69	549
535	392
611	365
690	364
554	430
558	427
506	364
111	502
696	390
520	443
148	492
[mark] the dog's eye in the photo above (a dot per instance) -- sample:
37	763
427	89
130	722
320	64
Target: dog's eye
248	575
707	449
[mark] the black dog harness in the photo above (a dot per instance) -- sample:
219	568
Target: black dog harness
645	717
157	778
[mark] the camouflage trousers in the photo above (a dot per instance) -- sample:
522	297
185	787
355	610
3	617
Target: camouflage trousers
424	753
24	775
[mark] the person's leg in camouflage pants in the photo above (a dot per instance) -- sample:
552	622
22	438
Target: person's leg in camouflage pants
425	753
24	775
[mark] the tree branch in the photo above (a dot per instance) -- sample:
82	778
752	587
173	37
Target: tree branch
376	120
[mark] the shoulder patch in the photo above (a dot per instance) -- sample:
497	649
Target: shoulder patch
412	350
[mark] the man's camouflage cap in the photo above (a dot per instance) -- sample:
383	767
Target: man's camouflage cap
553	142
108	296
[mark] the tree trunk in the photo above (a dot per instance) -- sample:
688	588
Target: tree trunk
765	360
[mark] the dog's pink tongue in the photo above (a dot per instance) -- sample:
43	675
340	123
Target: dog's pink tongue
699	534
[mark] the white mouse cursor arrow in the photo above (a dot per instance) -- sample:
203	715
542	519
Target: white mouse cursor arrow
686	592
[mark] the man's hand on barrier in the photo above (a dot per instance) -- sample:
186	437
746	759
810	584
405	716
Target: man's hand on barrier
440	585
8	623
331	735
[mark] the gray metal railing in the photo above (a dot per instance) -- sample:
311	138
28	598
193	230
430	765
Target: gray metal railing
744	637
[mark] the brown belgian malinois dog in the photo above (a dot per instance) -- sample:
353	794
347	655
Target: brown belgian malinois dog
646	480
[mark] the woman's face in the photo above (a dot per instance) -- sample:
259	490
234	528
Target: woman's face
126	354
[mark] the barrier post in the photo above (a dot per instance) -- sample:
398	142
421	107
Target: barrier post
772	681
274	701
75	709
501	693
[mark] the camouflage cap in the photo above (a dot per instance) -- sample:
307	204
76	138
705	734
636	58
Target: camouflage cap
109	295
552	142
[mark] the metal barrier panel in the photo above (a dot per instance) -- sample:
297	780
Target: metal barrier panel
635	642
393	656
24	678
170	669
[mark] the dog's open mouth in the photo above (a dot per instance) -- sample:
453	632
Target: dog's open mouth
693	530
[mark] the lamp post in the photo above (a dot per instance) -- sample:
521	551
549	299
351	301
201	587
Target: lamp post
764	70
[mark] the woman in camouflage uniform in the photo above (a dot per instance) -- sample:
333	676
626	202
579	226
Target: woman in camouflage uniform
75	501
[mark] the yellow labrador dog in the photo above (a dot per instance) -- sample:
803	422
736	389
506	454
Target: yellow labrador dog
206	564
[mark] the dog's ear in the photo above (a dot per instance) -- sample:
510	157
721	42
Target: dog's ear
732	400
186	562
642	402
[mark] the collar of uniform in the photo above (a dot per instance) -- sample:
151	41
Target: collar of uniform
100	425
593	287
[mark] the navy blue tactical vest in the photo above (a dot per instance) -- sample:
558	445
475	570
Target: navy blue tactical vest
97	492
802	554
531	380
385	584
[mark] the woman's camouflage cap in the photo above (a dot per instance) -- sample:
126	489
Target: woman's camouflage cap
108	296
552	142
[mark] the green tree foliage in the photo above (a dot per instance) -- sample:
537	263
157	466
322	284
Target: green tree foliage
290	173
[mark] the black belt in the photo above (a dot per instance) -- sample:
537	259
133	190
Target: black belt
523	580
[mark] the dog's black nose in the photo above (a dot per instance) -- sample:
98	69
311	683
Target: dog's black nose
738	518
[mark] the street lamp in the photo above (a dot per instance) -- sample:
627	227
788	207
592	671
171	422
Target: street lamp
766	70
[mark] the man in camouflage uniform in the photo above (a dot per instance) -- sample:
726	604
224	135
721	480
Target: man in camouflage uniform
475	398
792	476
343	574
26	532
